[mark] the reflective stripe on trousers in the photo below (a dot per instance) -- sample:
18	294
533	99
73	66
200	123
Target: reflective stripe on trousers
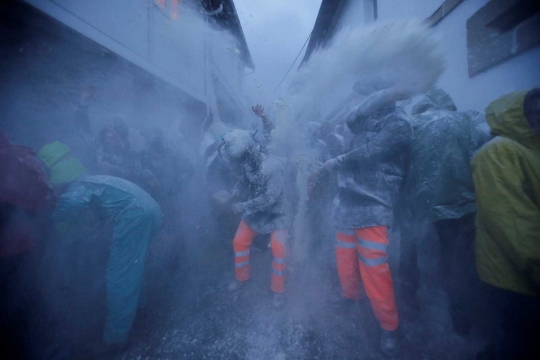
278	244
242	243
347	265
362	257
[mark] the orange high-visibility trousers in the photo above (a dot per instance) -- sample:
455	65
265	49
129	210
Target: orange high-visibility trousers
242	244
362	257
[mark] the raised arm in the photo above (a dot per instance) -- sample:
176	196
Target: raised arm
396	136
268	126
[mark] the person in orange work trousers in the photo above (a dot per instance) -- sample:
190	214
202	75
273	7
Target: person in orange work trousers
263	207
369	178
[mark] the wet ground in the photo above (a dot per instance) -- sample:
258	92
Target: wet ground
193	316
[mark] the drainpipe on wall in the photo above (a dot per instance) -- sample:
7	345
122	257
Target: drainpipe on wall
211	103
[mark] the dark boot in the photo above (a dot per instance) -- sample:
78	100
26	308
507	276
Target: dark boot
236	285
389	342
278	301
409	306
105	350
461	325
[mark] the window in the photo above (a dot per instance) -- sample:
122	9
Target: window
443	11
501	30
171	8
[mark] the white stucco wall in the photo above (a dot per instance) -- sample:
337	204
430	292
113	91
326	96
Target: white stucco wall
138	31
225	58
519	72
398	10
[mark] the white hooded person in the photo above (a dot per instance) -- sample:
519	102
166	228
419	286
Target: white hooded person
259	196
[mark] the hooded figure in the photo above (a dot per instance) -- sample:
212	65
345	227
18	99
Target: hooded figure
261	189
134	215
115	156
23	182
369	178
24	198
172	171
166	175
438	189
506	173
62	166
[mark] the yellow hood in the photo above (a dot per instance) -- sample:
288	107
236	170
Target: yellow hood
506	118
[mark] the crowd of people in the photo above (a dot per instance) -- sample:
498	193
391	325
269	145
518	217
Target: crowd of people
473	177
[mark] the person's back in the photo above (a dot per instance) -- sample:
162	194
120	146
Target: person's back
23	181
112	194
369	180
439	191
438	184
24	198
372	171
506	173
134	216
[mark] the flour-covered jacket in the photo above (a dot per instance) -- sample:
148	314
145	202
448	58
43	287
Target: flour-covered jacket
371	172
439	183
266	207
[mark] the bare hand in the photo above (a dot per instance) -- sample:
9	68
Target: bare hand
258	110
330	165
222	197
237	208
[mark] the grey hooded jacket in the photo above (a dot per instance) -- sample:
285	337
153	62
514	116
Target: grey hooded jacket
439	182
371	172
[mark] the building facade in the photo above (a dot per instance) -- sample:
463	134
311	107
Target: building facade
492	47
151	62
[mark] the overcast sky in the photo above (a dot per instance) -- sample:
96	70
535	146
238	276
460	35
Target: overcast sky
275	31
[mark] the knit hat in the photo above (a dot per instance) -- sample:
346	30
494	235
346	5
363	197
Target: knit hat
61	165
